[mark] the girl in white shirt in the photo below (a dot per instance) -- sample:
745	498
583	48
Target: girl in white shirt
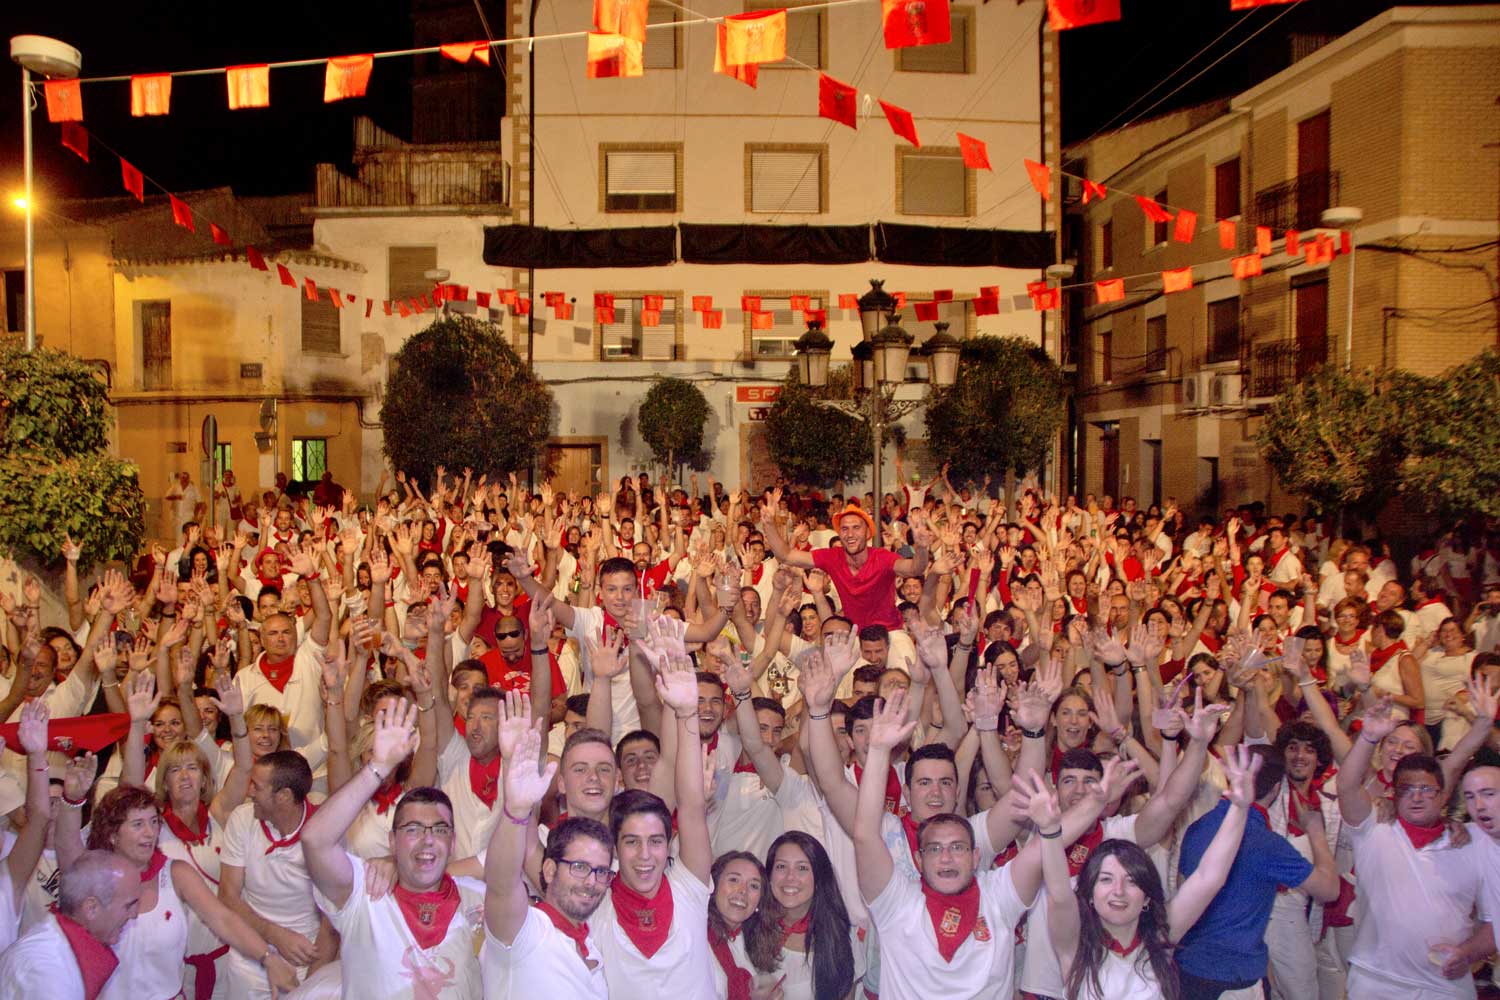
802	932
739	882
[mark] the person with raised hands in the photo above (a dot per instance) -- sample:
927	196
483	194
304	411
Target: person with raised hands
419	939
22	858
752	812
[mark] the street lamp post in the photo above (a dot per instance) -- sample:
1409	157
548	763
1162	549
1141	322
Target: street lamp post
880	361
51	58
1346	217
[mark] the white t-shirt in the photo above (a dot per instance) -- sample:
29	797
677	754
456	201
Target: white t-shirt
473	821
680	968
543	962
748	817
277	885
1120	978
382	958
40	964
625	717
151	947
300	701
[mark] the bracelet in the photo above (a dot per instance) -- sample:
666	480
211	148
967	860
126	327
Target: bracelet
1307	684
376	771
741	695
523	821
818	718
963	645
427	707
1033	734
1373	743
988	729
239	736
74	804
541	652
270	950
1050	836
114	685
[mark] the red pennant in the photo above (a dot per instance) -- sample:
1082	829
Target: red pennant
1346	242
346	77
613	56
310	288
702	302
1247	4
987	305
285	276
837	101
1041	177
650	317
464	51
1065	14
150	94
604	314
848	301
755	37
76	138
762	321
369	307
604	300
219	235
1185	227
402	308
1226	234
1153	211
815	316
989	291
338	300
1293	242
482	299
564	310
943	295
1046	298
249	86
800	303
746	74
1263	240
522	306
652	303
915	22
1112	290
621	17
901	122
927	311
555	299
386	305
1177	280
976	155
64	100
256	260
133	181
181	213
713	319
1092	189
750	303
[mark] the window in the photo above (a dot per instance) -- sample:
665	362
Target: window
309	459
15	300
1106	356
1107	244
785	178
804	33
934	181
406	268
662	46
320	324
156	345
1313	178
1156	344
1224	330
1227	189
787	324
1159	230
1310	315
223	456
956	56
641	178
629	339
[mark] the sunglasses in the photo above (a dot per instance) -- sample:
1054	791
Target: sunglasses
515	634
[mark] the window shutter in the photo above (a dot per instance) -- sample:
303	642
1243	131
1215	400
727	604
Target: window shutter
951	57
660	50
406	266
642	172
320	324
785	182
933	185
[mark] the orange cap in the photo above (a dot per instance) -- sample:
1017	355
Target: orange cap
854	510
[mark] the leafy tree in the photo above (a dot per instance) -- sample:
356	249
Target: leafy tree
1452	465
56	477
671	421
1002	413
459	396
816	445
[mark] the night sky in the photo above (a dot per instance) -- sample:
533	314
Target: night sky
273	150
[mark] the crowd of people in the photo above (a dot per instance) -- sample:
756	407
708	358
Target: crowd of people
477	740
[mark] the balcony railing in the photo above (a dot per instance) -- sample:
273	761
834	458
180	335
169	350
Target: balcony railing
1276	366
410	179
1298	203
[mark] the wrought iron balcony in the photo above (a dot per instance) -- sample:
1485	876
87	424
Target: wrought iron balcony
1276	366
1298	203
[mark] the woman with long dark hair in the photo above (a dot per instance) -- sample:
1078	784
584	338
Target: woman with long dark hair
1115	932
802	930
739	881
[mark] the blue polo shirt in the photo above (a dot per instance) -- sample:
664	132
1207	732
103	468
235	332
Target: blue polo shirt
1227	944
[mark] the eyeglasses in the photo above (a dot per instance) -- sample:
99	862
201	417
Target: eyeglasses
414	829
508	635
938	850
1417	791
581	870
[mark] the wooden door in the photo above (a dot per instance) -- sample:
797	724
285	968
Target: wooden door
576	468
156	345
1311	308
1109	455
1312	170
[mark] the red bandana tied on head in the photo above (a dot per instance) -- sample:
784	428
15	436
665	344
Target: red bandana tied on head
484	780
577	933
96	960
279	672
1421	836
892	789
180	829
307	810
428	914
645	921
954	918
739	979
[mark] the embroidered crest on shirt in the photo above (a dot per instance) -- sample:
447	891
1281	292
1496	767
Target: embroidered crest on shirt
428	981
1078	854
981	930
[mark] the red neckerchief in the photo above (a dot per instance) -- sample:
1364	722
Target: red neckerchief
278	672
1297	803
1276	557
1080	605
1421	836
1124	951
428	914
892	790
1379	657
798	926
744	768
739	979
1212	643
1083	847
307	810
269	581
154	866
386	796
645	921
180	829
1256	807
484	780
1429	602
954	917
909	827
1387	789
577	933
711	745
755	574
96	960
460	725
1359	634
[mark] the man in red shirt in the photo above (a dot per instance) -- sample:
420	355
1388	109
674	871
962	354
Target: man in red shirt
865	577
508	666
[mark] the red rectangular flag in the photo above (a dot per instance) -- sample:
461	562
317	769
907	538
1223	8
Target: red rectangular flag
1346	242
1046	298
762	321
604	314
76	138
249	86
652	303
746	74
613	55
799	303
553	299
976	155
254	259
564	310
713	319
900	300
756	37
837	101
1177	280
64	100
1092	189
848	300
815	316
1153	211
522	306
1065	14
621	17
347	76
915	22
482	299
1112	290
181	213
901	123
650	317
386	305
1247	266
1226	234
132	179
1263	240
604	300
220	236
285	276
1293	242
927	311
943	295
310	289
987	305
462	52
750	303
702	303
1185	226
150	94
403	309
369	307
338	300
1040	176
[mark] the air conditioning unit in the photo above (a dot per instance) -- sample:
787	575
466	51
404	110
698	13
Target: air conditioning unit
1195	387
1226	390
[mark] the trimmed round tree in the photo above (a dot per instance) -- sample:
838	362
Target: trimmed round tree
672	417
458	396
816	445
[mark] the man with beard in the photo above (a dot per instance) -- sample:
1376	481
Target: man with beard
419	939
474	787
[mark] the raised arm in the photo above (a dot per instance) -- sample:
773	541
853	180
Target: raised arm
1200	888
889	728
141	701
30	842
1354	801
821	673
784	553
677	686
526	783
737	675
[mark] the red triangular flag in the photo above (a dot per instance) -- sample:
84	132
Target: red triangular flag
181	213
837	101
612	56
901	122
346	76
1040	176
369	307
915	22
402	308
1092	189
848	300
1293	242
652	303
253	257
133	181
285	276
464	51
1263	240
1226	234
1065	14
1247	266
76	138
219	235
249	86
702	302
755	37
150	94
750	303
1185	227
604	314
927	311
713	319
976	156
338	300
64	100
943	295
1153	211
564	310
310	287
1177	280
746	74
1247	4
621	17
1112	290
762	321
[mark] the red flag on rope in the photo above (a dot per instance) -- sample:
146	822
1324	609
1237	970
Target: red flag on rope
76	138
1226	234
1065	14
181	213
1112	290
150	94
915	22
901	122
1041	177
1092	189
621	17
64	100
975	153
249	86
1185	226
837	101
1177	280
346	76
1153	211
